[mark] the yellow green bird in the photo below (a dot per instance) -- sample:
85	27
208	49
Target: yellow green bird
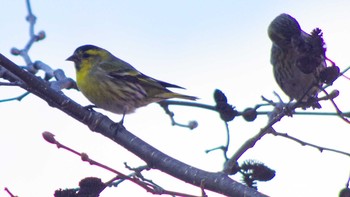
114	85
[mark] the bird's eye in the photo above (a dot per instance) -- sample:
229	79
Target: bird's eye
85	55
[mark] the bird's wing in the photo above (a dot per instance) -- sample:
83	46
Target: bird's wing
135	76
124	71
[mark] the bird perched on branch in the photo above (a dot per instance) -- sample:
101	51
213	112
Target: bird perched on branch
114	85
297	58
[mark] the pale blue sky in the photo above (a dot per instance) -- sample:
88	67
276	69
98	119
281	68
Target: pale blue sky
201	45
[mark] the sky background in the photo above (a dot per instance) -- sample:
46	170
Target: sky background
201	45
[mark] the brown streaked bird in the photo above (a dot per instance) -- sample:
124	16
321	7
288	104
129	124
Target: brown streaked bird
297	58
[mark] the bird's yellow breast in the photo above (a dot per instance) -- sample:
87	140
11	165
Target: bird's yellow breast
87	83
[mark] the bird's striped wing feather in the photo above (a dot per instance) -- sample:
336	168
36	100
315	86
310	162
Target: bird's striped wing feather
134	76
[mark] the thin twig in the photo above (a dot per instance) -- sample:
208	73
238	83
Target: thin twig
339	112
227	141
165	105
303	143
18	98
9	192
49	137
189	104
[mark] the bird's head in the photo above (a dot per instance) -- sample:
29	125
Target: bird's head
88	56
283	29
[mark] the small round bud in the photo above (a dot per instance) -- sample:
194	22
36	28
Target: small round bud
89	186
344	192
84	157
334	94
219	97
15	51
49	137
227	112
250	114
329	74
193	124
41	35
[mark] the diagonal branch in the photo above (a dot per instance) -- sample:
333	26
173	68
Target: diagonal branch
217	182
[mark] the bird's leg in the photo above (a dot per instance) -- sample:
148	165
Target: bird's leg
284	106
289	108
119	126
313	102
121	122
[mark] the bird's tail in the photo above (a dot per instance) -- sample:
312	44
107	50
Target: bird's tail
169	95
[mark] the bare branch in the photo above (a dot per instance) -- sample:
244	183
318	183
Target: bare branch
144	183
303	143
97	122
9	192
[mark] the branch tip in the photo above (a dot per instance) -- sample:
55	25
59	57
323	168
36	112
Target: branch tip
49	137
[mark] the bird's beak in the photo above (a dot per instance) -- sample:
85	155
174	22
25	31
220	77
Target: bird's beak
71	58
